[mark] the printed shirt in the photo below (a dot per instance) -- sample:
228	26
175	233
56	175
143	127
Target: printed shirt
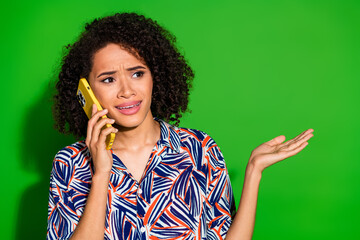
185	192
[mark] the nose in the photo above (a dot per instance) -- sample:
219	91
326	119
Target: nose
126	90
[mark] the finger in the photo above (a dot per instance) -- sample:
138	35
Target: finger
296	150
303	134
280	156
276	141
89	128
98	128
295	138
298	137
300	141
308	134
103	135
93	120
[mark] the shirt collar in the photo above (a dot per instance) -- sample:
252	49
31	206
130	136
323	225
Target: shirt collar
169	135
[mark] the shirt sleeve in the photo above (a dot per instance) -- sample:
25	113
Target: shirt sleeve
220	199
62	215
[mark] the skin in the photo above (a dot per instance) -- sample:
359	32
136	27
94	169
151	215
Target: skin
262	157
137	134
130	81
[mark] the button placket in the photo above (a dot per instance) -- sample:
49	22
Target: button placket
143	233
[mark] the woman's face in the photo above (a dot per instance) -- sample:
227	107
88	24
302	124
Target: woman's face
123	85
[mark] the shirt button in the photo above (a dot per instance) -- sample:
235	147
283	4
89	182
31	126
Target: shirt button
142	229
140	191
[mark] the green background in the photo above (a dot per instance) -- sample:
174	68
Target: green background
263	69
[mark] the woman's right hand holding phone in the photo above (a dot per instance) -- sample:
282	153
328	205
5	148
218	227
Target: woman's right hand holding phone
95	140
91	225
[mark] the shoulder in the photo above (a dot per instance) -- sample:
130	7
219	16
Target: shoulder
209	148
194	135
196	142
73	152
68	158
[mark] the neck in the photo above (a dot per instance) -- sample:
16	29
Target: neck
148	132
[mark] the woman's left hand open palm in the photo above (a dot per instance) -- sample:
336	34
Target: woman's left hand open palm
275	150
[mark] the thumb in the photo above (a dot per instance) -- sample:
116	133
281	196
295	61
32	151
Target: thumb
277	140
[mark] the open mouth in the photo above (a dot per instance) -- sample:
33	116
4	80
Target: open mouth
130	106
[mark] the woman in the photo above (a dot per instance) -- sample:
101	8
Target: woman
158	181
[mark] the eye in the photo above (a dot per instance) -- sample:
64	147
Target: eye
138	74
108	80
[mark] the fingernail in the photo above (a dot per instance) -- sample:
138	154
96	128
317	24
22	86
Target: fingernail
112	120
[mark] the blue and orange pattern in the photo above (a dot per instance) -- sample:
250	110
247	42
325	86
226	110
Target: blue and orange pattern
185	192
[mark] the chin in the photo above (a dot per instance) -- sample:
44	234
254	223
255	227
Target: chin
130	121
128	124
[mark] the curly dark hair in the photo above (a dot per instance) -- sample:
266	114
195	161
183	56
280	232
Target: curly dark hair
142	37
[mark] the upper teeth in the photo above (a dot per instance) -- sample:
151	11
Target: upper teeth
130	106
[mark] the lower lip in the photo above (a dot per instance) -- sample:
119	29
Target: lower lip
130	111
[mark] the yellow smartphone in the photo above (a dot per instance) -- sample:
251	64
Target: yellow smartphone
86	99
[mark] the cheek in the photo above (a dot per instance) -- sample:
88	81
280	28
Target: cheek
104	97
98	94
146	89
150	87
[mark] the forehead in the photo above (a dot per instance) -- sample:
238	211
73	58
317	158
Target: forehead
113	56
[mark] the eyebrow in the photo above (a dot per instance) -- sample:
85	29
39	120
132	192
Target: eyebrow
128	69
